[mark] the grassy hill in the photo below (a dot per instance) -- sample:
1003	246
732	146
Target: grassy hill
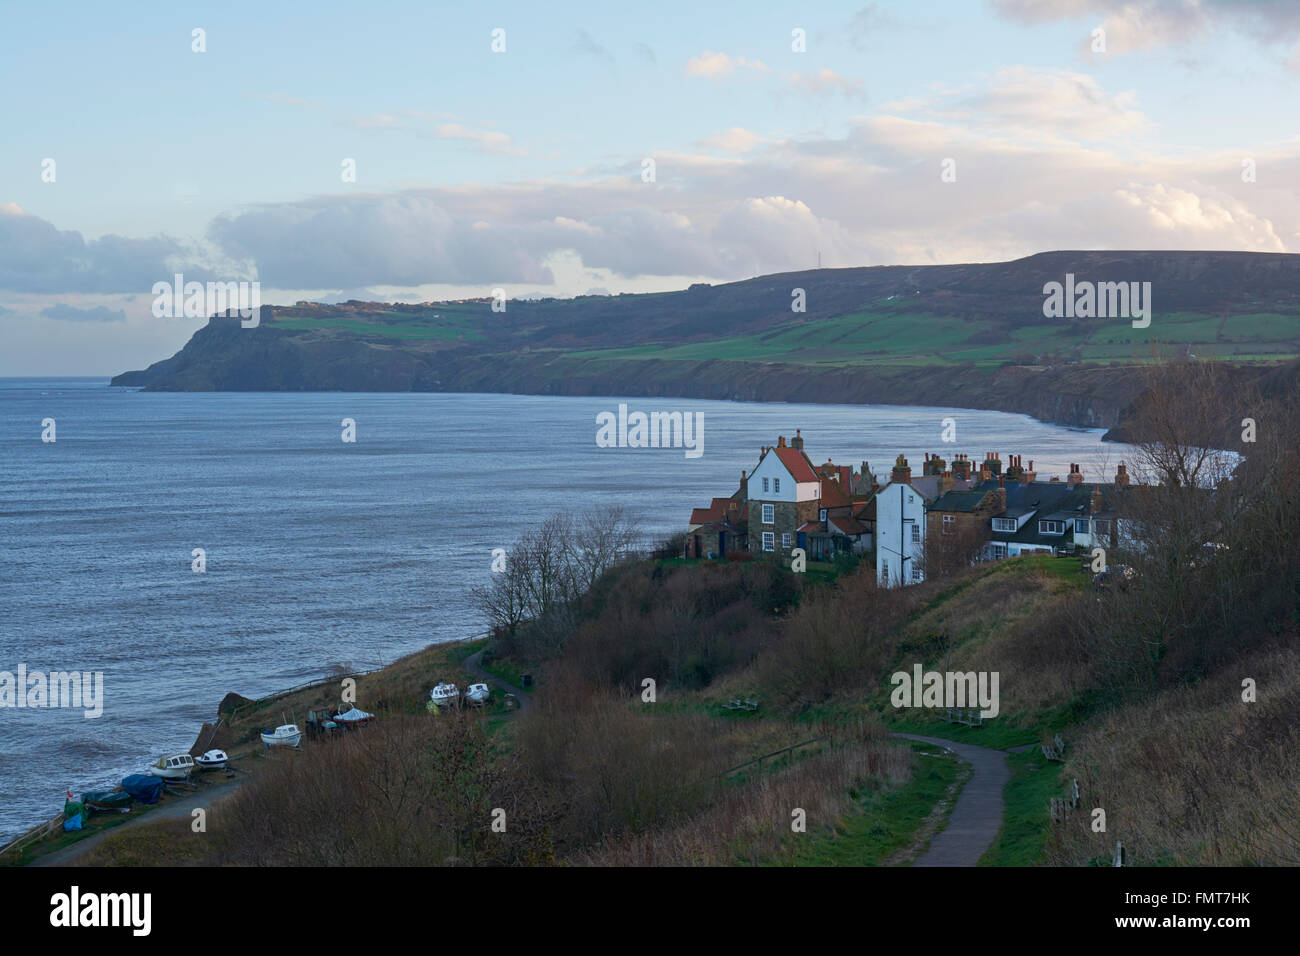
891	334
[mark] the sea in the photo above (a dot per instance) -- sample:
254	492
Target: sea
320	551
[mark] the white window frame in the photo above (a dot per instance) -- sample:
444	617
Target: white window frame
916	574
822	514
776	486
769	541
765	484
1005	521
1051	521
785	539
916	532
769	514
884	570
949	523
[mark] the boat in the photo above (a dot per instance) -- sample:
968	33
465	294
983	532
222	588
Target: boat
478	694
444	695
175	767
286	735
354	717
212	760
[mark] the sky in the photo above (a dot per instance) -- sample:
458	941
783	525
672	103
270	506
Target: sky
388	151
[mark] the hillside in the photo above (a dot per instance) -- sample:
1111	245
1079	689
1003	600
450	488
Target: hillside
973	335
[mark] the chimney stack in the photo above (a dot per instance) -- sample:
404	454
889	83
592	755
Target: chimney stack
901	474
1075	477
1015	471
1030	474
961	467
797	441
780	441
744	485
1121	476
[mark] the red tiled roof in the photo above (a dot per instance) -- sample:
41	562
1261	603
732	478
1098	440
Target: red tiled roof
847	525
716	511
811	526
833	495
797	463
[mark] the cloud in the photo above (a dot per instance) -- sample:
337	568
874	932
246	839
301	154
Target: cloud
37	257
824	83
733	140
489	141
70	313
714	65
587	45
1069	104
1138	24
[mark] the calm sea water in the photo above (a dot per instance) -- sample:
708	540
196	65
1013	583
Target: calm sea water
320	551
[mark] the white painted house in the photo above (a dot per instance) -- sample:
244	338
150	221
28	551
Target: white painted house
900	529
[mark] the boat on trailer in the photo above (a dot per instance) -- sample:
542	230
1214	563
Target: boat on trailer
212	760
286	735
445	695
478	694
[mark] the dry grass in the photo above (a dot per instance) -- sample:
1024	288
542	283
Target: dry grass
751	824
1195	776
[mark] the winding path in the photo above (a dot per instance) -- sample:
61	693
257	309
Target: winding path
977	817
472	664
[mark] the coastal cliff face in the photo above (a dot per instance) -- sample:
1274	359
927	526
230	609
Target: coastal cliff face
222	356
972	336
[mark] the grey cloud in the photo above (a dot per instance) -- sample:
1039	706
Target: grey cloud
37	257
70	313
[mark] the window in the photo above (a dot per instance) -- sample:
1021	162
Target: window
785	540
1080	525
776	484
916	534
998	551
1102	525
769	514
769	541
884	570
916	574
765	484
822	515
911	499
1004	524
1051	527
949	524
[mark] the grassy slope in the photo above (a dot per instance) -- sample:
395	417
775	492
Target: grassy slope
884	334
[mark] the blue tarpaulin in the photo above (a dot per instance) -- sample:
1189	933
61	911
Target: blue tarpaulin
143	787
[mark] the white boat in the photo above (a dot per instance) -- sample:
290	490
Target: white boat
444	695
175	767
212	760
478	694
286	735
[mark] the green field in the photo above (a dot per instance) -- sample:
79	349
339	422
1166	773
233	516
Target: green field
889	336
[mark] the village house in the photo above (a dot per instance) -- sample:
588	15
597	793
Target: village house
986	513
786	502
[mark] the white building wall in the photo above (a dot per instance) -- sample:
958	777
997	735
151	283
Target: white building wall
898	508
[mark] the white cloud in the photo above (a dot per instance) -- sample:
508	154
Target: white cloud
490	141
713	65
732	140
825	82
